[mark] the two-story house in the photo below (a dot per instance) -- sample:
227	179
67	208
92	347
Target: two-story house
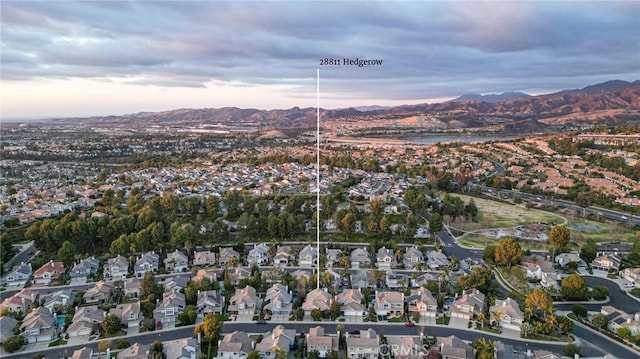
244	301
389	304
235	345
204	258
360	257
507	314
278	301
422	302
365	345
308	257
452	347
99	294
132	287
279	339
18	276
49	272
318	298
129	313
167	310
86	321
362	279
39	326
258	255
436	260
607	262
413	258
282	257
209	301
386	259
176	262
227	255
632	275
116	268
317	340
58	299
148	262
471	303
85	268
351	306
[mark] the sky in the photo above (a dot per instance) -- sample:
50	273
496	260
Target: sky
76	59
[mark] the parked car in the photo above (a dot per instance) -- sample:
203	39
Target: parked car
355	331
623	291
409	324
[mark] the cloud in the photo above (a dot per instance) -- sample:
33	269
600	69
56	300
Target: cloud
430	49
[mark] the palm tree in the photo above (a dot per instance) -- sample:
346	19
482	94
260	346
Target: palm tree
498	316
481	317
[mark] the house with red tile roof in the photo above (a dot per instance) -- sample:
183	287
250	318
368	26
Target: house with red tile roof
48	273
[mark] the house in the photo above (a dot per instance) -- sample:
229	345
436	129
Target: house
606	262
544	354
132	287
278	301
236	345
365	345
49	272
19	276
302	273
405	347
116	269
385	259
82	353
534	272
632	275
21	301
620	249
259	255
468	305
176	262
318	298
211	275
177	282
58	299
436	260
148	262
168	309
323	344
395	280
84	269
99	294
129	314
333	256
505	351
187	348
362	279
209	301
137	350
227	255
619	319
507	314
550	280
308	257
452	347
351	306
86	320
421	301
282	257
39	326
360	257
204	258
389	304
236	274
279	339
7	324
413	258
563	259
244	302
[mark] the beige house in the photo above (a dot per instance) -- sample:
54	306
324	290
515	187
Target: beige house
507	314
132	287
204	258
365	345
453	347
279	339
85	321
317	340
389	304
99	294
129	314
468	305
235	345
245	301
318	298
421	301
405	347
632	275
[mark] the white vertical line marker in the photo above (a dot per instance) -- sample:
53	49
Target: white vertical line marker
318	174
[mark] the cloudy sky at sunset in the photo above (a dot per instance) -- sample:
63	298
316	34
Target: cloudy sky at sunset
63	59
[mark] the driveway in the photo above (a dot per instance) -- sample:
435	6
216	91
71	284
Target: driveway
78	340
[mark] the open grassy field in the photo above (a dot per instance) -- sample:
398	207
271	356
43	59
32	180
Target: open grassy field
478	241
601	232
493	214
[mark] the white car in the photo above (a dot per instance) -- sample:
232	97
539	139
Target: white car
629	285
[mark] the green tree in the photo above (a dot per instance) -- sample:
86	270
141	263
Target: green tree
538	301
489	254
149	288
599	292
634	256
13	343
435	224
600	321
579	310
480	278
574	286
624	333
589	251
209	330
571	350
508	252
316	314
254	354
334	309
67	253
188	316
346	224
559	237
111	324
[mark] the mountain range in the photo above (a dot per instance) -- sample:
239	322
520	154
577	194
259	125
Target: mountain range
592	102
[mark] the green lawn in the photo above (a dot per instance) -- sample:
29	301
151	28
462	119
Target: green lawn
119	333
605	233
478	241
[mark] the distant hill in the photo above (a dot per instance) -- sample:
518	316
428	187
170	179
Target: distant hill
601	100
491	98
